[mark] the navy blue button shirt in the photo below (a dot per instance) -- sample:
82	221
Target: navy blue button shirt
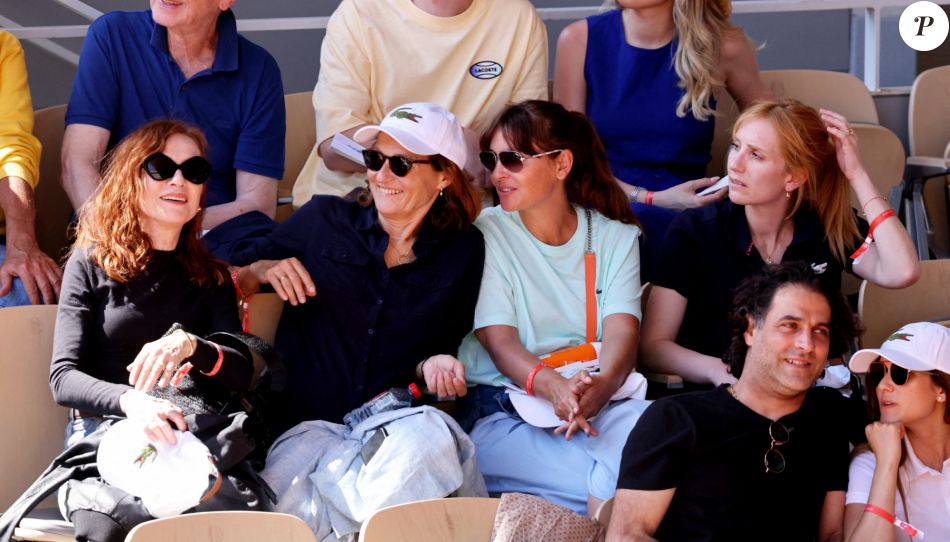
368	325
127	77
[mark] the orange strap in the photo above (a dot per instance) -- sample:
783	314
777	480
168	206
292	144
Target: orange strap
590	277
590	273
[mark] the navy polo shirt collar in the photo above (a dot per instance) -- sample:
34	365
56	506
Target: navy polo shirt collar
807	226
226	52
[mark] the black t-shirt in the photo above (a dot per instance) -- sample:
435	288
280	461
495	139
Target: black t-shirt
711	448
708	251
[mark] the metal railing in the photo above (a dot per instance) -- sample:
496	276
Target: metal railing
872	10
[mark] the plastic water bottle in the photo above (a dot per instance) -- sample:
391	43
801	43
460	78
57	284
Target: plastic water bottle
393	399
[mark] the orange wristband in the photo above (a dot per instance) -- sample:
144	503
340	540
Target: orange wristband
886	516
529	382
648	199
217	365
870	238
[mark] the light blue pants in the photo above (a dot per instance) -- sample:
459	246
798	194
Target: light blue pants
17	295
515	456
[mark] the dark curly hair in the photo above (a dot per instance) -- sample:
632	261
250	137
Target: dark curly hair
753	299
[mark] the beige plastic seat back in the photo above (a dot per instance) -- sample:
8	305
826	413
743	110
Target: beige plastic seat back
223	526
299	141
839	92
883	155
30	422
928	119
53	209
264	312
883	310
462	519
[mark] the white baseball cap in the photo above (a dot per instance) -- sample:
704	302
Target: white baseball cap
922	346
422	128
168	478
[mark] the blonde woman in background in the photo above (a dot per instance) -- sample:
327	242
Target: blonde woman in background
645	75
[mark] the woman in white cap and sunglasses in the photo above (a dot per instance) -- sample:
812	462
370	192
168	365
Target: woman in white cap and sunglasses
901	491
393	276
380	291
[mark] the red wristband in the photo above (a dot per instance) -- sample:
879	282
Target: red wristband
904	526
217	365
529	382
648	198
874	224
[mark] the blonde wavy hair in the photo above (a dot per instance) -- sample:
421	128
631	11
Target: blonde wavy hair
109	225
806	146
700	25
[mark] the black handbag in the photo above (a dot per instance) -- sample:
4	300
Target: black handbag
233	425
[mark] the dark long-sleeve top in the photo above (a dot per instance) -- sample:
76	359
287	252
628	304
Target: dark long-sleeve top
101	325
368	325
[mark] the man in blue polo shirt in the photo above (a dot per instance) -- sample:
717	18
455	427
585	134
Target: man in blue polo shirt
181	59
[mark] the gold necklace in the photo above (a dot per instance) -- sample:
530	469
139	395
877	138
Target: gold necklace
404	257
768	257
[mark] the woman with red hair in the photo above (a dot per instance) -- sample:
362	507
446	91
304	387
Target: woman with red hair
136	269
791	171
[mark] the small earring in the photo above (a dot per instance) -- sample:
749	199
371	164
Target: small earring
940	398
788	196
442	192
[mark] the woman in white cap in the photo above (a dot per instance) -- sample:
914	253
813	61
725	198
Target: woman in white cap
380	293
562	269
901	491
393	277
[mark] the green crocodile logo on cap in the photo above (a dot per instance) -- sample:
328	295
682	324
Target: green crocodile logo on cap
403	113
900	337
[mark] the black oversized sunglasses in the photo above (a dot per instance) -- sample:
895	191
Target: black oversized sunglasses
877	370
398	164
196	169
774	460
512	160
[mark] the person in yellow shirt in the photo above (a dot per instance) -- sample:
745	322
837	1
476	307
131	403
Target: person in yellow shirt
472	57
27	274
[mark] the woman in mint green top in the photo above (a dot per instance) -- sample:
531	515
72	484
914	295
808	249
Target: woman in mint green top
552	170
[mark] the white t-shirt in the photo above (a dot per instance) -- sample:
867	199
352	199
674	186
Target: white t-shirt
379	54
540	288
927	492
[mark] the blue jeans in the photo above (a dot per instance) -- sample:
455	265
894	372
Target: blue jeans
481	401
80	428
17	294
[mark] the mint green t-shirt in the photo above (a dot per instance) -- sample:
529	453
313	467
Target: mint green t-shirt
540	290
